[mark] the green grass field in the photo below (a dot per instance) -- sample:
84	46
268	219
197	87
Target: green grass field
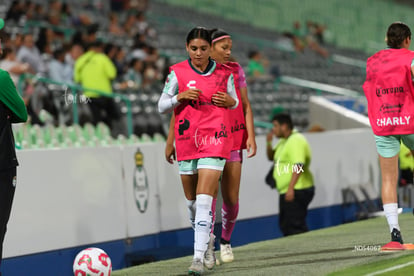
400	265
348	249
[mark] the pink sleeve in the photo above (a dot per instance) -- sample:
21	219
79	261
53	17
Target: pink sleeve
242	77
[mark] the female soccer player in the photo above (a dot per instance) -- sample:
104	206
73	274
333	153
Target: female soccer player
242	129
196	90
389	90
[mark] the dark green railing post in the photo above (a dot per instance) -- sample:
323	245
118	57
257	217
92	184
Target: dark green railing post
129	117
129	112
75	94
75	105
20	82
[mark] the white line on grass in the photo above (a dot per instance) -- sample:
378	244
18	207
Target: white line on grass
390	269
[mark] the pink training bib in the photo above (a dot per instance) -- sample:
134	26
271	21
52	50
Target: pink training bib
390	92
201	128
237	119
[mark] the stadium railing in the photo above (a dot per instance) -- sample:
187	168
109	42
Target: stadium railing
76	94
320	87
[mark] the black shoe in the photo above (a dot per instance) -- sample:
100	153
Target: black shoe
396	236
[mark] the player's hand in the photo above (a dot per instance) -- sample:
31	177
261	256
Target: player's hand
223	99
170	153
190	95
251	147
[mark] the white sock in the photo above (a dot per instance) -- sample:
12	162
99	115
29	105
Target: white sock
191	211
203	222
391	213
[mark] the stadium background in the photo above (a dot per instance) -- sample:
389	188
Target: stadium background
355	29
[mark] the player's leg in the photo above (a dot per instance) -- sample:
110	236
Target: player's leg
389	172
230	187
213	211
209	171
189	177
388	148
209	256
189	183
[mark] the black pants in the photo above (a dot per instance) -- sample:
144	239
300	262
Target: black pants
7	188
406	177
292	214
104	109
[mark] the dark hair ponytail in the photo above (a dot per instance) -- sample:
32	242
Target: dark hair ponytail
199	32
396	34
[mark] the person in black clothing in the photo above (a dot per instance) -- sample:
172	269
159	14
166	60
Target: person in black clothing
15	11
12	110
294	181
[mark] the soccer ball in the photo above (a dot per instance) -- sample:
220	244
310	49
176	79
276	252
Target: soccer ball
92	262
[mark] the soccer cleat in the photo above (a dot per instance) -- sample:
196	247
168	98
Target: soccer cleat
396	236
196	268
226	254
393	246
209	256
396	243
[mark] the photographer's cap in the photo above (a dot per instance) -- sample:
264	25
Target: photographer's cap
1	23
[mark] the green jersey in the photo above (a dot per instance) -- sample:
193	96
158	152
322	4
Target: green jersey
11	98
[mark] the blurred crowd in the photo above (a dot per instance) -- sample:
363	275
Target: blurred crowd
46	40
307	36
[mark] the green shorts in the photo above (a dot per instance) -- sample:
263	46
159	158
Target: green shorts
389	146
192	166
